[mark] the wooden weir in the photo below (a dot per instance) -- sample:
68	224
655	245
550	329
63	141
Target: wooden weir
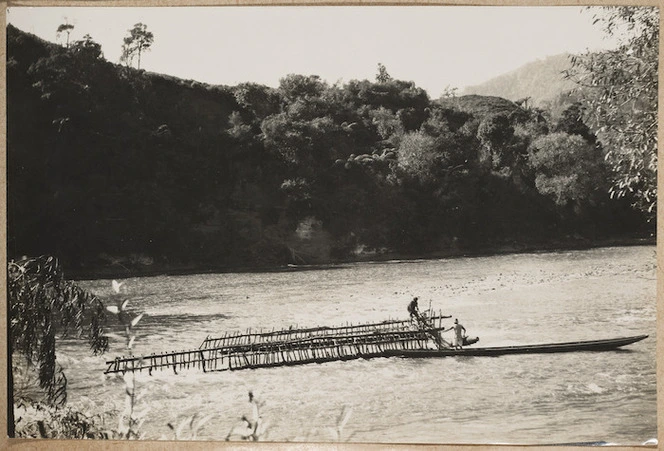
292	346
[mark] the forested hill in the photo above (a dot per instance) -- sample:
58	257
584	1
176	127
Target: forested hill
542	81
112	167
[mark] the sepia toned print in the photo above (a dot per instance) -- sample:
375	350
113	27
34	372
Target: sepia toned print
419	225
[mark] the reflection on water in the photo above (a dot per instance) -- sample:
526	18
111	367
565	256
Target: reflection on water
506	300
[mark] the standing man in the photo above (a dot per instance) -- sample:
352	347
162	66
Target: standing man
413	309
459	332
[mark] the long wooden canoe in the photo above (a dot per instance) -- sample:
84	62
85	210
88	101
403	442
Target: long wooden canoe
406	344
298	346
572	346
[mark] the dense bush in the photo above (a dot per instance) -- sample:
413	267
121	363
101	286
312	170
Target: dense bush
39	420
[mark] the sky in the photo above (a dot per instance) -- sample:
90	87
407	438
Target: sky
434	46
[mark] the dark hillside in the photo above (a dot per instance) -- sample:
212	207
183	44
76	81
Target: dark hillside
100	174
121	171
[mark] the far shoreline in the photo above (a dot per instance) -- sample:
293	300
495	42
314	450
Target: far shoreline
122	272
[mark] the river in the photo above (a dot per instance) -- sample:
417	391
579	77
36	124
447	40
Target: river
505	300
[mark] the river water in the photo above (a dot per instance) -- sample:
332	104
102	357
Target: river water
505	300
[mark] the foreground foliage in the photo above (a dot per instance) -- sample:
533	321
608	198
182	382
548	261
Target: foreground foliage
39	420
42	302
619	92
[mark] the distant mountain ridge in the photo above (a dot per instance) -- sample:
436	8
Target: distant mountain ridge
541	80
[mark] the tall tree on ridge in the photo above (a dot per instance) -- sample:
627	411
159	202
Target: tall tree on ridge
382	76
138	41
65	28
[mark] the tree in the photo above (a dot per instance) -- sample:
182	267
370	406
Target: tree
419	154
382	76
619	91
433	158
449	92
571	122
567	168
262	101
41	301
66	28
87	47
295	86
138	41
388	124
494	132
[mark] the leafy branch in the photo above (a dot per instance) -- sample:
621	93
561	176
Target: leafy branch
41	301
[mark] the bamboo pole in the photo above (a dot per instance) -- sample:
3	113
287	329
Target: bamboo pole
353	341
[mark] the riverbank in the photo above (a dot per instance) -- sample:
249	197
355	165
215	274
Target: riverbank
127	270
